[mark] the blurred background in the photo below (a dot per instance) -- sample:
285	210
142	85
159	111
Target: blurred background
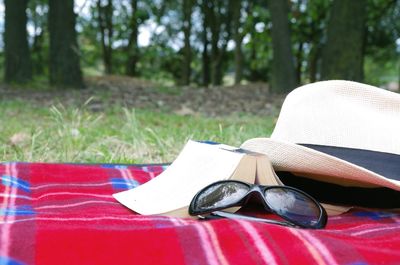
203	42
132	80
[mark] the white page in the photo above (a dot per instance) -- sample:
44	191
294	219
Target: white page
198	165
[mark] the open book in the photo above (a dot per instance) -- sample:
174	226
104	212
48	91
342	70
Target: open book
198	165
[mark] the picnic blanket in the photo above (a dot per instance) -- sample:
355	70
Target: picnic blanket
65	214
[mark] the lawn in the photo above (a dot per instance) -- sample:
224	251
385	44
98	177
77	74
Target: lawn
33	133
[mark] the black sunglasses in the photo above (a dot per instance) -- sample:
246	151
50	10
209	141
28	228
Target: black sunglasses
295	206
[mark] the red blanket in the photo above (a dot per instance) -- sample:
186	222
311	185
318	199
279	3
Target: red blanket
65	214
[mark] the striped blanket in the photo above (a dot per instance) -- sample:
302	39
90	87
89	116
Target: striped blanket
65	214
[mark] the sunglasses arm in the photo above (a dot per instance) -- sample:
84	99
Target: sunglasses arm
219	214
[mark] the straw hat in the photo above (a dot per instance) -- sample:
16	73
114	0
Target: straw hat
339	132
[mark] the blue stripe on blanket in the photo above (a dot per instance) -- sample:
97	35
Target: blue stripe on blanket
116	166
9	261
20	210
120	183
15	182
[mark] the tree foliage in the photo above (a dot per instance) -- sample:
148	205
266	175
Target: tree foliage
209	42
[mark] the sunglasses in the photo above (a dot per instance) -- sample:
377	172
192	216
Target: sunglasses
294	206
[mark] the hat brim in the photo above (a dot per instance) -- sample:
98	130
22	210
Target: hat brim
295	158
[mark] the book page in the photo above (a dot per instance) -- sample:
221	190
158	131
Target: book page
265	174
198	165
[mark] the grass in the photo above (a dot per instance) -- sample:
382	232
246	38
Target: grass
74	134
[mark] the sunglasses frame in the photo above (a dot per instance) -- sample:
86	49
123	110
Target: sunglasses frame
257	191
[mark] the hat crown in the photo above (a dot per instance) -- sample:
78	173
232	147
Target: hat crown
341	113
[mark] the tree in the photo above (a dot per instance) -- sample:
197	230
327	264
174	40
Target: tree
317	11
343	53
256	51
18	66
65	70
238	38
308	27
132	48
206	73
220	19
37	18
187	49
381	57
104	19
283	77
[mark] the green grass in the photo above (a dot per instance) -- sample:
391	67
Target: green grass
69	134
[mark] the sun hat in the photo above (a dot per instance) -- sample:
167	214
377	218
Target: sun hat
340	132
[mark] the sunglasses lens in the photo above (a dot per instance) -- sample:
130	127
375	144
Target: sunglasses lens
293	205
220	195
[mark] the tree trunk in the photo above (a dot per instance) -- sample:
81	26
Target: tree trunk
37	54
39	27
215	31
313	59
106	31
206	42
187	49
238	37
221	34
65	70
132	49
18	66
253	75
283	77
299	62
343	54
226	36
